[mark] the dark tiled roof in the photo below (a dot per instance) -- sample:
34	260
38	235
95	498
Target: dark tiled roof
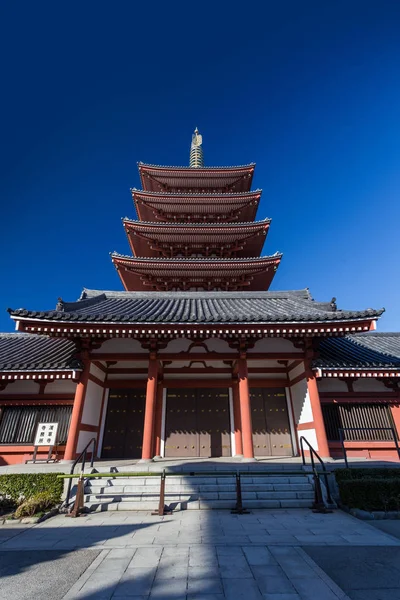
29	352
360	351
197	307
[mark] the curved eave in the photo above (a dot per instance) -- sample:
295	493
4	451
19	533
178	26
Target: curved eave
362	372
116	327
154	178
151	239
39	375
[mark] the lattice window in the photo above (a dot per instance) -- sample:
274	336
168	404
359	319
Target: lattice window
358	415
18	423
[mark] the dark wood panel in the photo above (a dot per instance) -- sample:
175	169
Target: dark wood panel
198	423
181	437
123	431
278	427
270	420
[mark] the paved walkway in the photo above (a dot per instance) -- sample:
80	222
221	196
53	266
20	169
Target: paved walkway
195	555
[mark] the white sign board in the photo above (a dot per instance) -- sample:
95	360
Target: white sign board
46	434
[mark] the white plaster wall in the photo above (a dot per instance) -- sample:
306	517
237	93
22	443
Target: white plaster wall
311	437
331	385
369	385
122	376
269	376
92	405
217	345
170	377
66	386
301	403
274	345
120	345
83	439
296	371
97	372
21	387
178	345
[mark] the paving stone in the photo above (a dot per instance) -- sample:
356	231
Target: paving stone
169	589
310	589
236	589
210	585
135	582
259	556
271	578
203	572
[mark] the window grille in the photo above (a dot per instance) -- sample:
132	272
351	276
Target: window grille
18	423
358	415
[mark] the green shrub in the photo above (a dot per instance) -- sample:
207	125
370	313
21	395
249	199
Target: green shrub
35	504
18	487
371	494
366	473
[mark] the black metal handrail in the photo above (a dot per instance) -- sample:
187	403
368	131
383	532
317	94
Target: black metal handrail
76	461
342	440
324	471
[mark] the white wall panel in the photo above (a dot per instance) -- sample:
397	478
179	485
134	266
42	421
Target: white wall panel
92	405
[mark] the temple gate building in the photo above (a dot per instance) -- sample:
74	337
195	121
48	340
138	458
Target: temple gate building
198	357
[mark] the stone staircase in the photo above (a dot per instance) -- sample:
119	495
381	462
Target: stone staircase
200	491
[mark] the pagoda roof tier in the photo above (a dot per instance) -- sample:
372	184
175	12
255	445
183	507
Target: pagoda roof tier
228	207
196	239
196	273
156	178
270	308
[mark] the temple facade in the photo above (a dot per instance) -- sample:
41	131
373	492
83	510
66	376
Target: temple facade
198	357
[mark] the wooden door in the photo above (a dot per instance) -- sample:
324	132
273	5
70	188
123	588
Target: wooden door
261	439
114	429
181	435
123	430
277	418
134	423
197	423
213	422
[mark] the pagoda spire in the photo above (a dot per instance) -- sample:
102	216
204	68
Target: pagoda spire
196	151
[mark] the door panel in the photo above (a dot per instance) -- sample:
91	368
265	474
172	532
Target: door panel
278	427
134	424
123	430
198	423
261	439
181	438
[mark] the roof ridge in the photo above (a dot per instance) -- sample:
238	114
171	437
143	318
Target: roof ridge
195	259
188	168
199	223
200	194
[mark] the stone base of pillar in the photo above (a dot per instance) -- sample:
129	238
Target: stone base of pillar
238	456
249	460
142	461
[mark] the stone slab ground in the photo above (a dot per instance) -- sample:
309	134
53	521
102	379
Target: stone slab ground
197	555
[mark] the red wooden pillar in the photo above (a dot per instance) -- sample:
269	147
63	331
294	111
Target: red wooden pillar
395	408
245	408
80	392
158	421
323	448
150	408
237	419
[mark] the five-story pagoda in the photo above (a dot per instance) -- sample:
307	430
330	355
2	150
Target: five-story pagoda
196	230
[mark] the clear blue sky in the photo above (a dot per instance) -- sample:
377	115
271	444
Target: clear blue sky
309	90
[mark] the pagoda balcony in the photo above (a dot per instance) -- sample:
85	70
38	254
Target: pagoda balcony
157	274
195	207
196	239
156	178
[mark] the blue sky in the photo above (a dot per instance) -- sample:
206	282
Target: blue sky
310	91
